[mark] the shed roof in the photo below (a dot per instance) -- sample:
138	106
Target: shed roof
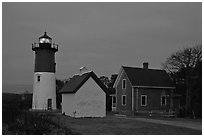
77	81
148	77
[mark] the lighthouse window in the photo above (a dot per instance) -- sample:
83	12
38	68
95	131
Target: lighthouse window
38	78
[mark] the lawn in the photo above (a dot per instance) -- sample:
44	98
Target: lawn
172	119
17	120
112	125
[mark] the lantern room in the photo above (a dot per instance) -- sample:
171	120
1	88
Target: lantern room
45	42
45	39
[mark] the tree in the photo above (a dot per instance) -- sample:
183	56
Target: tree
59	85
105	80
112	80
184	62
196	96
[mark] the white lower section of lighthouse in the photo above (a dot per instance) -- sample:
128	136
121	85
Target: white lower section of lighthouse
44	91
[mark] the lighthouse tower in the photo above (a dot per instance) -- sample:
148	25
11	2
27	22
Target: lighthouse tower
44	85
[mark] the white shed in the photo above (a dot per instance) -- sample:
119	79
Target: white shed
84	96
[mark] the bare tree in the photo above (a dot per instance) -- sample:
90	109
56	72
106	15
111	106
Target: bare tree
185	59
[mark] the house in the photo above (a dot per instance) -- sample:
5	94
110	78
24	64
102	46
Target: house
84	95
142	90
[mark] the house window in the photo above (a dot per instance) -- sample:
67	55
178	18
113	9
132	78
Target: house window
113	101
143	100
163	100
123	100
124	84
38	78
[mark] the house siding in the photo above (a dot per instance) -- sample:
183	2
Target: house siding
153	99
119	92
90	100
68	104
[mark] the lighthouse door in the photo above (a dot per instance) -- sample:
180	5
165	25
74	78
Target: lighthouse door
49	104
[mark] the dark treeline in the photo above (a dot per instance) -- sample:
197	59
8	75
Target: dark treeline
185	68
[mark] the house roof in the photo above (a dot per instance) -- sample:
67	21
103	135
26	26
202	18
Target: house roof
148	77
77	81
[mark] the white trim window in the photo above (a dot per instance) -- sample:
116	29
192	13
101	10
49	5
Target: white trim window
123	100
113	101
124	84
143	100
163	100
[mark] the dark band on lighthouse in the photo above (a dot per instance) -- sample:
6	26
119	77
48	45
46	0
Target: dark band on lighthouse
45	54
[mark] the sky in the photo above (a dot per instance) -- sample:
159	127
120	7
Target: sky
100	36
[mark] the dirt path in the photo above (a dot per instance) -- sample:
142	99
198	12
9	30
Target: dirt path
190	124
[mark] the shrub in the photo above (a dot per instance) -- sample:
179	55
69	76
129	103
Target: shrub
30	123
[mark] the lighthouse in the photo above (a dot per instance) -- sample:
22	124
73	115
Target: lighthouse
44	85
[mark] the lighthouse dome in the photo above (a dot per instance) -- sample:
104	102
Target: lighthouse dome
45	38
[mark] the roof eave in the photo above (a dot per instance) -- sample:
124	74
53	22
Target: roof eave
98	81
154	87
67	92
119	75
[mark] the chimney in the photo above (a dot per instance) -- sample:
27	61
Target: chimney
145	65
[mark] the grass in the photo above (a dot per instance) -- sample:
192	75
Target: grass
16	120
31	123
172	118
111	125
